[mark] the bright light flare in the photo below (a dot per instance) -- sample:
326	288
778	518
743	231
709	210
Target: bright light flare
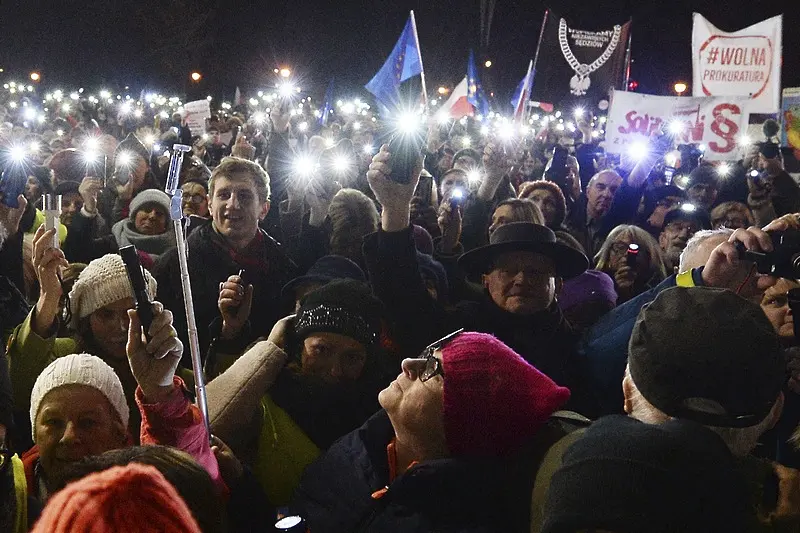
286	90
457	193
466	142
341	164
743	140
484	130
442	118
30	113
34	147
506	131
304	166
17	153
408	123
689	208
638	151
138	113
124	159
64	107
474	176
303	126
356	126
149	139
676	127
724	170
368	149
579	111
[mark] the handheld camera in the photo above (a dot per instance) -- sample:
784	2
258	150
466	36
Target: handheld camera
784	259
632	255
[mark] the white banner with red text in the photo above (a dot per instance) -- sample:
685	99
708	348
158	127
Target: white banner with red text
195	114
716	122
742	63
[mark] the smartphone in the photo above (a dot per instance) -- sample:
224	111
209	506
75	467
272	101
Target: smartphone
405	150
557	173
144	307
52	214
12	184
456	198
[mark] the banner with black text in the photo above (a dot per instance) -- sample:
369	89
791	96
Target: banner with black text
742	63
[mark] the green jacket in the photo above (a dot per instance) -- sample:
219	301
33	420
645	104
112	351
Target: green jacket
29	354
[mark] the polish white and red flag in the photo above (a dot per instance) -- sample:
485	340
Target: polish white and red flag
458	105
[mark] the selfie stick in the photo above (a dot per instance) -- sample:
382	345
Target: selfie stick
174	191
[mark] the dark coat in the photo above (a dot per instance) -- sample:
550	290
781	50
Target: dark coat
335	494
211	264
546	339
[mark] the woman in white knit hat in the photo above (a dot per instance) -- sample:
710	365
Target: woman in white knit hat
97	319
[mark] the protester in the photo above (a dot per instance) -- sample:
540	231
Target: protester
586	215
195	199
133	498
325	270
702	187
315	379
633	271
625	476
550	200
521	271
732	215
679	226
222	247
444	429
98	322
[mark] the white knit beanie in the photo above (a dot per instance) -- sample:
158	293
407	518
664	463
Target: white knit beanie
149	196
104	281
80	369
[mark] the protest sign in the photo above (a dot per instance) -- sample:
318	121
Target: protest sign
790	118
742	63
196	114
577	65
715	122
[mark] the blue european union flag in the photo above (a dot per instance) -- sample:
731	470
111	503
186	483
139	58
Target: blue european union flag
403	63
327	105
475	94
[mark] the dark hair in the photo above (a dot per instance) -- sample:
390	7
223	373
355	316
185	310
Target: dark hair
190	479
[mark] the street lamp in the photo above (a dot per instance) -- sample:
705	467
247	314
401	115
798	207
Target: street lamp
196	76
680	88
488	63
443	90
35	76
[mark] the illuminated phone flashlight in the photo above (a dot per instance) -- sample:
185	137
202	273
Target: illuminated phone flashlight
724	170
90	157
34	147
304	166
632	254
754	173
408	123
204	136
474	176
291	524
638	151
368	149
688	208
150	139
579	112
484	130
356	126
17	153
743	140
676	127
286	90
341	164
456	198
466	142
303	126
92	143
506	131
702	147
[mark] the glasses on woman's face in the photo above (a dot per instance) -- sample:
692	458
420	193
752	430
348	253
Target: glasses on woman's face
433	365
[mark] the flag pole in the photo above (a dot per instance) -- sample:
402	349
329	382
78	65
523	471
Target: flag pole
538	47
628	57
419	51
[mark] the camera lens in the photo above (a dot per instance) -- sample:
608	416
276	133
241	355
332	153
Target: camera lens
795	264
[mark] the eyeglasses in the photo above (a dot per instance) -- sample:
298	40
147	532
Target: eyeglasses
433	365
667	203
194	198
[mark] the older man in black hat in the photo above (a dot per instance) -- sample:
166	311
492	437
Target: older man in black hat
521	271
679	226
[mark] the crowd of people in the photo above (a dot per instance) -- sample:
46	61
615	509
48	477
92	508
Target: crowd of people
479	332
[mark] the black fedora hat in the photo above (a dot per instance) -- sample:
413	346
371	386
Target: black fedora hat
525	237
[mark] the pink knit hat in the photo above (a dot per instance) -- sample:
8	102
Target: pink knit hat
494	400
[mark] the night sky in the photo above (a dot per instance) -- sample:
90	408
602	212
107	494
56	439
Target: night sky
154	44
